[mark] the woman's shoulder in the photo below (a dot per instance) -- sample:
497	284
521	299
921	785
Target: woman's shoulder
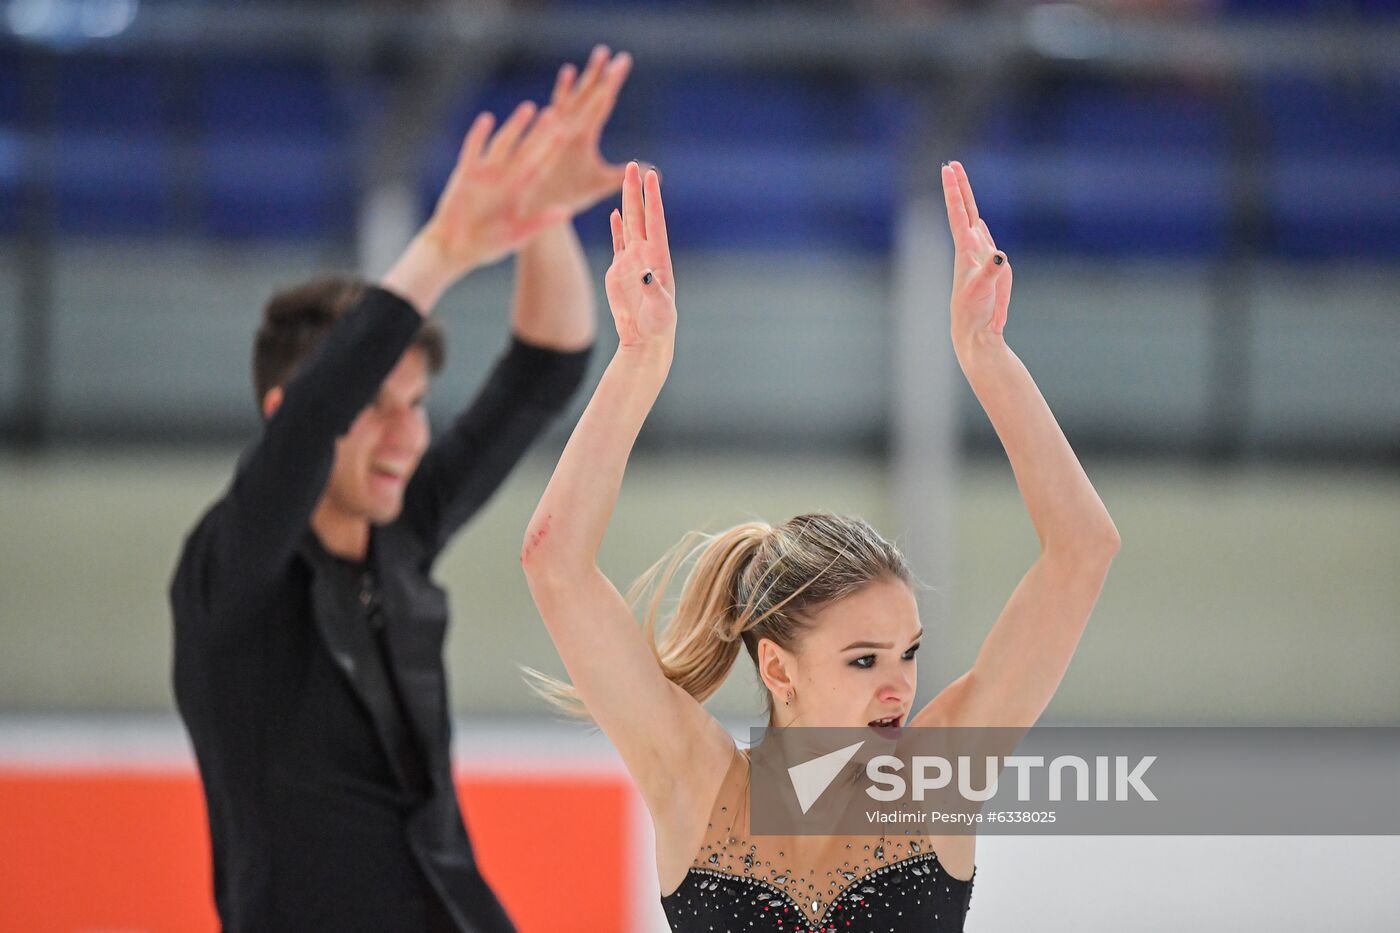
706	800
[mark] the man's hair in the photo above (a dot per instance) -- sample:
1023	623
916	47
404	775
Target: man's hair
296	319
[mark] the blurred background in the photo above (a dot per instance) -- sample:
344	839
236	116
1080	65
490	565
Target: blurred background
1202	203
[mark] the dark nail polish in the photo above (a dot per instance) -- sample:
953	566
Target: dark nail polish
998	259
646	279
945	164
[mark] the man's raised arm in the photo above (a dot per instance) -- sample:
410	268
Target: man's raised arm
488	209
553	321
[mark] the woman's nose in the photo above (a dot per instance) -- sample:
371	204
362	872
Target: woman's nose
897	690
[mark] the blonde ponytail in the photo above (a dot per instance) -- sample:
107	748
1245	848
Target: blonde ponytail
698	647
750	582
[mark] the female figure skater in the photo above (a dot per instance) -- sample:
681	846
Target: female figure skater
823	606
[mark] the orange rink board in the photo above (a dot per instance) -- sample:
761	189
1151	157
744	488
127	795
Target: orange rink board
85	850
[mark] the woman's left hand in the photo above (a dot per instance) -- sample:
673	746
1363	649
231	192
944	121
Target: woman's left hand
640	284
981	272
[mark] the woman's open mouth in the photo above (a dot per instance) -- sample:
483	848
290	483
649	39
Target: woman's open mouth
890	726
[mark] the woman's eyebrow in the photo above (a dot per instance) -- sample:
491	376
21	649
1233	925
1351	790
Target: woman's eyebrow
880	644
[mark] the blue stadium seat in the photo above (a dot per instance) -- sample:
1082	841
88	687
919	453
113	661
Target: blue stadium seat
119	95
1333	183
1163	205
1137	120
727	197
1316	9
111	159
112	183
1307	116
750	159
650	4
1110	171
1324	210
277	188
11	180
753	109
1290	8
12	88
12	150
275	151
704	131
269	97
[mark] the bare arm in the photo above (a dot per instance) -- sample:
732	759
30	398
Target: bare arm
1028	650
552	327
553	304
552	319
662	733
488	208
553	293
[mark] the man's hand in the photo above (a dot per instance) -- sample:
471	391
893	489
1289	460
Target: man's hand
488	208
577	175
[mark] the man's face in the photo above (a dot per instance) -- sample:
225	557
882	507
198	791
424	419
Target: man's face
376	458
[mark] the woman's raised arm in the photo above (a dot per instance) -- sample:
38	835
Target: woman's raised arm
674	749
1028	650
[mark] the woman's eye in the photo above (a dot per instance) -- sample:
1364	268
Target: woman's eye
909	655
865	662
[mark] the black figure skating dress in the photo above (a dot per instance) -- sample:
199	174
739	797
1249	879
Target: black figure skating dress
840	884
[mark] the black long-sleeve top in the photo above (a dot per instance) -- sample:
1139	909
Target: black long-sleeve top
300	715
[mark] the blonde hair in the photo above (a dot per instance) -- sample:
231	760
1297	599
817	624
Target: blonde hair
751	582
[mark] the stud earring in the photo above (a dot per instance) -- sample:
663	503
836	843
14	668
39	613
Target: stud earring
789	699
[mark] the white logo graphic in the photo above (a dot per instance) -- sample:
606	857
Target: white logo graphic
811	778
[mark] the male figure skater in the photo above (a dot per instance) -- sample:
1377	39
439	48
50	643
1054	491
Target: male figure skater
308	635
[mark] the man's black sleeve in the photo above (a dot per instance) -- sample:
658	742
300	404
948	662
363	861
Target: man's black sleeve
528	386
281	478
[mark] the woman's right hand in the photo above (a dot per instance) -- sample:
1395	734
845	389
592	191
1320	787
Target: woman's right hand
640	284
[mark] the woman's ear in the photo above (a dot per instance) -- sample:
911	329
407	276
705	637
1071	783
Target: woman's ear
271	401
775	667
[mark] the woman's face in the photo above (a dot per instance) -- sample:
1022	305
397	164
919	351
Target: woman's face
854	665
